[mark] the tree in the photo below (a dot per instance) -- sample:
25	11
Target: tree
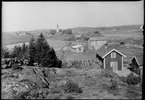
67	31
44	54
52	32
23	48
32	51
5	53
17	52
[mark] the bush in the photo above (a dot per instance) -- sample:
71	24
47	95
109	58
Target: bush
52	32
70	97
109	74
16	67
133	80
76	64
114	84
133	93
70	86
56	90
67	31
123	79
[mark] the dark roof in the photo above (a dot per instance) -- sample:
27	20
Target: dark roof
139	59
97	38
103	50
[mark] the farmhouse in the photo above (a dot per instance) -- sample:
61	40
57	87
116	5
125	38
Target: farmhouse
136	65
111	59
96	42
77	48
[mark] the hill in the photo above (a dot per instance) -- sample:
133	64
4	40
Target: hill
22	36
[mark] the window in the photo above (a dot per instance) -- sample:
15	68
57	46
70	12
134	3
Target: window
113	55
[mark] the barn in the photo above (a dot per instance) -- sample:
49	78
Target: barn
111	59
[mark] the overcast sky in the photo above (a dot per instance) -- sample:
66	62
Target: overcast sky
23	16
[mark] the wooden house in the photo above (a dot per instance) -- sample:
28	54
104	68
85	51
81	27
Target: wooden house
111	58
96	42
136	65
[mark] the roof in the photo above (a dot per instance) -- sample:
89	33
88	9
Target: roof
97	38
105	50
139	59
78	35
77	46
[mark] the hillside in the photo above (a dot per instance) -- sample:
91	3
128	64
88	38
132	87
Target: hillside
93	82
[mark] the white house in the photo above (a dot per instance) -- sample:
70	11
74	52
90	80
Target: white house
77	48
96	42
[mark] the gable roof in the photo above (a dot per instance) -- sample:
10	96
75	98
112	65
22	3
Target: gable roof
97	38
105	50
77	46
139	59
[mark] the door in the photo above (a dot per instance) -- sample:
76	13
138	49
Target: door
114	66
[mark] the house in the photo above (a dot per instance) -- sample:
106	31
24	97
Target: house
77	48
96	42
110	58
136	65
81	37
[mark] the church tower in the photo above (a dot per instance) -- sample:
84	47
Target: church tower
57	28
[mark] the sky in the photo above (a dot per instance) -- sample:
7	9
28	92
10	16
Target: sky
27	16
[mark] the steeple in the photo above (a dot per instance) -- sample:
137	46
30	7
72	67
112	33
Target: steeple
57	28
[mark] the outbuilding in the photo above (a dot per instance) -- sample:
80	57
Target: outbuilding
96	42
136	65
77	48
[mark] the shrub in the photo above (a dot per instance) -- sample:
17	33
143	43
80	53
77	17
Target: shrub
70	86
109	73
133	80
56	90
76	64
16	67
114	84
123	79
70	97
133	93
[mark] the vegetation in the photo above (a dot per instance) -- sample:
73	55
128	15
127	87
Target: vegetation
70	86
114	84
42	53
52	32
97	32
133	80
38	51
67	31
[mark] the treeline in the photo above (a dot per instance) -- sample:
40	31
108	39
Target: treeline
38	51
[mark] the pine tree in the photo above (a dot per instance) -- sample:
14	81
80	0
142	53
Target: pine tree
23	48
45	55
32	51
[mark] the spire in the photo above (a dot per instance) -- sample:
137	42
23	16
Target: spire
57	29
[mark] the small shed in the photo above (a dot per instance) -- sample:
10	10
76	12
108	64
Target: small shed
111	59
136	65
96	42
77	48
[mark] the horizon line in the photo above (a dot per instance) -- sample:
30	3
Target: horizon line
72	27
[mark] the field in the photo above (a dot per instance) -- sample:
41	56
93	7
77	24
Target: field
94	82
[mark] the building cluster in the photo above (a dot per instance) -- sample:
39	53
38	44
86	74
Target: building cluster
110	55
